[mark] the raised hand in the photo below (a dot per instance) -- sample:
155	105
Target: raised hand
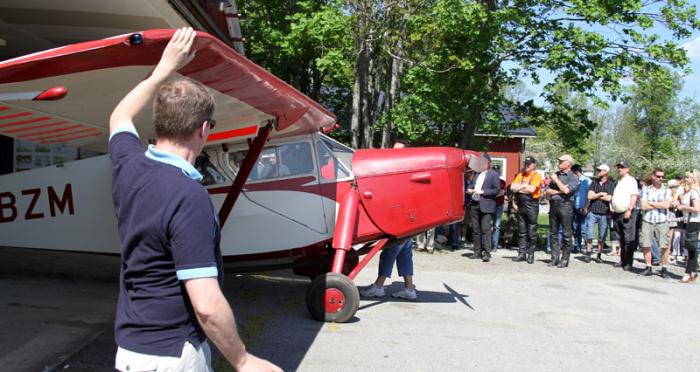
177	53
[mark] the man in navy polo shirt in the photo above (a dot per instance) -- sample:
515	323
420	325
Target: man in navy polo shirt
170	300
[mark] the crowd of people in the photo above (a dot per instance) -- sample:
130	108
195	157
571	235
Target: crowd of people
660	218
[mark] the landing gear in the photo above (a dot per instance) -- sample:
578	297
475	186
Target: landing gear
332	297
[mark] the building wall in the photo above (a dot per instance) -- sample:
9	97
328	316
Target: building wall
508	150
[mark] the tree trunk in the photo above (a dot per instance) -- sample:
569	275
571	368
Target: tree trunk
395	71
357	90
367	102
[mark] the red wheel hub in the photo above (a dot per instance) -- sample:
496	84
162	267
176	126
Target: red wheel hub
334	300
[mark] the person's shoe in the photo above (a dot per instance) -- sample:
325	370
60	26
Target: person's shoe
663	273
553	262
563	264
598	259
531	259
646	272
475	256
655	263
406	293
627	268
587	257
688	278
521	257
373	291
486	258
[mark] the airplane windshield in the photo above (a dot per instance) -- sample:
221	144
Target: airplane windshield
340	151
330	169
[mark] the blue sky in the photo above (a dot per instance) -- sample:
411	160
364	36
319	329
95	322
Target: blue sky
691	86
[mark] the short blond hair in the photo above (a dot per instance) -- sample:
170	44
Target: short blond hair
180	108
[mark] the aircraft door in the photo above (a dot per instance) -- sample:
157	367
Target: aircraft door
280	206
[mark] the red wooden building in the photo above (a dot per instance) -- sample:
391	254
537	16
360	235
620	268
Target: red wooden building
507	150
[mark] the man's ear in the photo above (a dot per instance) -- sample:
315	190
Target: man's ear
203	130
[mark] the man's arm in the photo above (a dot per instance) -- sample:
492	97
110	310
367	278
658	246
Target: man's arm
564	189
175	56
216	318
493	186
630	207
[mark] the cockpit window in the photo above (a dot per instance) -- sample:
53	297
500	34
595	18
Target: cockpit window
210	174
276	162
340	151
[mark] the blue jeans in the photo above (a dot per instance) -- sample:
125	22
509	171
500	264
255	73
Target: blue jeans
601	220
655	251
497	218
401	252
580	230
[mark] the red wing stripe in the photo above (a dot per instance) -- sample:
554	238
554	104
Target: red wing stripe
3	108
17	115
72	138
24	122
245	131
35	127
31	136
55	136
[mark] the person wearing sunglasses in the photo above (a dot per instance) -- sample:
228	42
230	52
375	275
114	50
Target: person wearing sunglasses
655	202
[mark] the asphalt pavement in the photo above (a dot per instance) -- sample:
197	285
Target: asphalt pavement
56	311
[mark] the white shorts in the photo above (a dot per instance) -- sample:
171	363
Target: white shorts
191	359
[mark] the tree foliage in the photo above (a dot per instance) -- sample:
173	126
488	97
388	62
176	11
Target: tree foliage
435	71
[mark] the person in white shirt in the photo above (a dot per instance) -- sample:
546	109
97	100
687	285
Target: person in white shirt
623	203
690	206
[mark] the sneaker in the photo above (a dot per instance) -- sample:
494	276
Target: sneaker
646	272
373	291
406	293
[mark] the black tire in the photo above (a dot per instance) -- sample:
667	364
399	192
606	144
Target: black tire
315	298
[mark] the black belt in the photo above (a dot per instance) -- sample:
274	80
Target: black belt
561	201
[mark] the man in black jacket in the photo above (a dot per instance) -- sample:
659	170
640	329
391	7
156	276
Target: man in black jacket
481	209
561	193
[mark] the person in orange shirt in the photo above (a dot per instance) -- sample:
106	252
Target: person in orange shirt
526	187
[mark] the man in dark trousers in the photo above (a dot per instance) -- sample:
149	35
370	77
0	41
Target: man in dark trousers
482	207
527	186
561	193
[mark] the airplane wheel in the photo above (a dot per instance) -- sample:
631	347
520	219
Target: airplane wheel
332	297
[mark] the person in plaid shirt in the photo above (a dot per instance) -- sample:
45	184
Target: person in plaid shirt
655	202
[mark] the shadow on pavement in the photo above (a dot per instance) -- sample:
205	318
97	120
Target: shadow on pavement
450	296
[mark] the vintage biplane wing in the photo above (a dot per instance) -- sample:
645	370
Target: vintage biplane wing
65	95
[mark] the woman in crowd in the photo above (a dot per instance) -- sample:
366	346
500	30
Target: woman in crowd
675	222
690	206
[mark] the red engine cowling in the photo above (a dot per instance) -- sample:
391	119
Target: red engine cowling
405	191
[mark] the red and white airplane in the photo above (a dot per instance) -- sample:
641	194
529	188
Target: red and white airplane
287	195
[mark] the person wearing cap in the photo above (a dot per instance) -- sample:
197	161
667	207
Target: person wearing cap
481	210
599	196
561	193
527	189
580	208
623	205
656	200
